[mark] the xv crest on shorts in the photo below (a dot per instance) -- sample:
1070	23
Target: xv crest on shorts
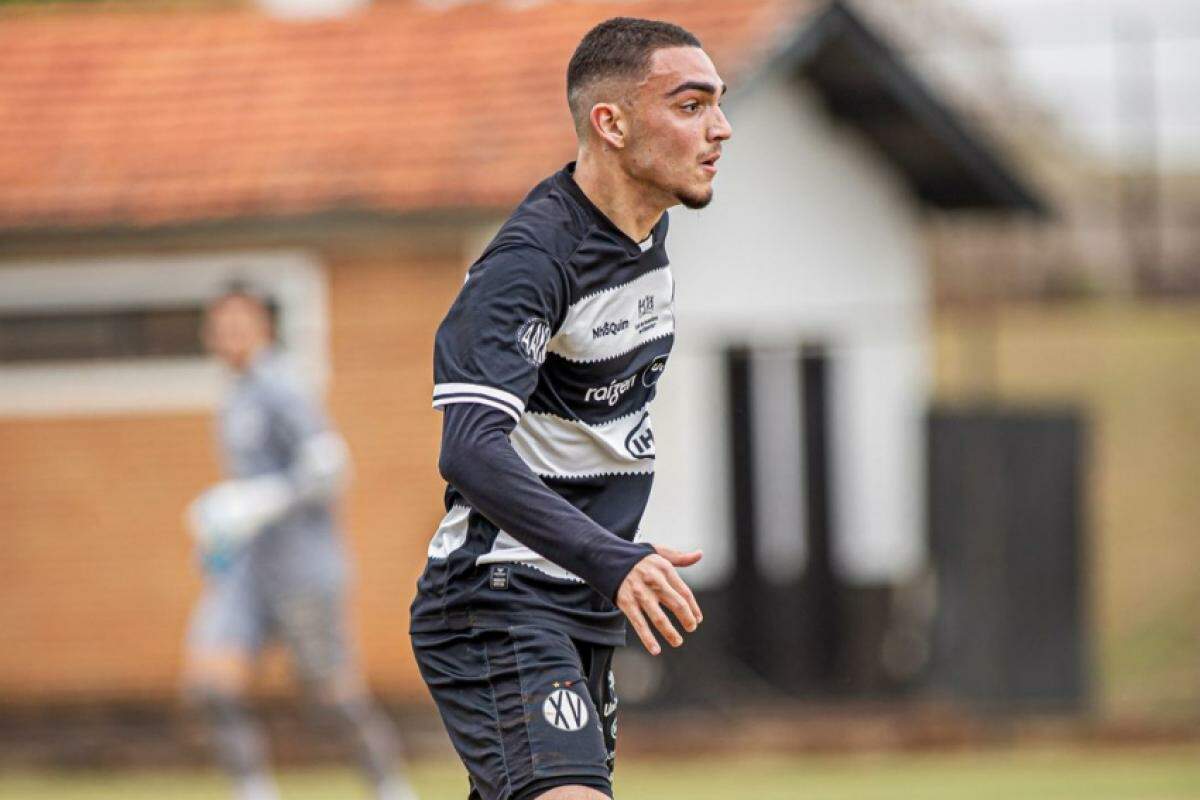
565	710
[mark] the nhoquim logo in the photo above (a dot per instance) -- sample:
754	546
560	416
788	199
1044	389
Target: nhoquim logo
532	338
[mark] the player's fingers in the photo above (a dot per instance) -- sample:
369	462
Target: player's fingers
659	618
685	592
633	613
670	596
677	557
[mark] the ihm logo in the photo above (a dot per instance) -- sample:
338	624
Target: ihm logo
565	710
640	441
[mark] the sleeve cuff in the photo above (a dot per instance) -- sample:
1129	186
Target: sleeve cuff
634	553
445	394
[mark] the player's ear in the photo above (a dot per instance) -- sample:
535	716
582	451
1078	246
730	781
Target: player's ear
609	123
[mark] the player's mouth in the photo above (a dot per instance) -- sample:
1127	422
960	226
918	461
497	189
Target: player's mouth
709	163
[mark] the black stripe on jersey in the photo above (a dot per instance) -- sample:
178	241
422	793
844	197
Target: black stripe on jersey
615	502
599	391
595	271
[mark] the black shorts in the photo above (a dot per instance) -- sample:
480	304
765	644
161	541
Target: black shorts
527	708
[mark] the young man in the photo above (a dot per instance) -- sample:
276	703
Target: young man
273	560
544	368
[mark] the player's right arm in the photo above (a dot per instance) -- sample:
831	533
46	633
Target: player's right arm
487	356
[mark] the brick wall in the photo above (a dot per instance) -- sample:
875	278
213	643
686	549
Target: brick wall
96	572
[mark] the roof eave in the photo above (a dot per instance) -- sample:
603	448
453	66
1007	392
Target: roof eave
314	225
948	164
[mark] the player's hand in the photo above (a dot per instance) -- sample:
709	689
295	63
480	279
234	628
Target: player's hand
652	584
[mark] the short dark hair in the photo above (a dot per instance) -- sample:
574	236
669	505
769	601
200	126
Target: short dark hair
618	47
239	288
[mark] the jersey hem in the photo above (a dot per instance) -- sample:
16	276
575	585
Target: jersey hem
500	621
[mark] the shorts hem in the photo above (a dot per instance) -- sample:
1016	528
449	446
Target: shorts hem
544	783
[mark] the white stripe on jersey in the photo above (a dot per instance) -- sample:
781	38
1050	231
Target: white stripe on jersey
557	447
445	394
451	533
507	550
618	319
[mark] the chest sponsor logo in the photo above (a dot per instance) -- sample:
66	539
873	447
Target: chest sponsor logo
565	710
653	372
532	337
612	393
640	441
610	328
647	317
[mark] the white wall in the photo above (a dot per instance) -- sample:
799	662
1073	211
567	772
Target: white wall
811	238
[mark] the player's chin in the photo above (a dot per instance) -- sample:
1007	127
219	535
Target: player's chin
695	199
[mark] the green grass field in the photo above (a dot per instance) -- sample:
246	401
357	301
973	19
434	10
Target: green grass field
1028	774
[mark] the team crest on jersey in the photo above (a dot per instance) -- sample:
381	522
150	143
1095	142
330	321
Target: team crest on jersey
565	710
532	338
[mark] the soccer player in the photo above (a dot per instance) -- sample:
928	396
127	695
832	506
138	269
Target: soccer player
274	563
544	368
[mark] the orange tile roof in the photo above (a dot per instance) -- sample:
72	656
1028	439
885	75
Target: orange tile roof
126	116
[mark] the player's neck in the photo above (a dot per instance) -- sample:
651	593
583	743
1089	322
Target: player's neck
617	196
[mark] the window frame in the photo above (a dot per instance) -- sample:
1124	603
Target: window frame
294	279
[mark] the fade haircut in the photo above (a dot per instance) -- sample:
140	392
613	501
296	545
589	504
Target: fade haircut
620	47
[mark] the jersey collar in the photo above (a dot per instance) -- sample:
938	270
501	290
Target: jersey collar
566	179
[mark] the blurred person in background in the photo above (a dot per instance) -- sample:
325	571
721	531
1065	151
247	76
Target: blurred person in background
273	561
544	368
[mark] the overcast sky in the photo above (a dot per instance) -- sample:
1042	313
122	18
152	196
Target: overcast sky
1067	51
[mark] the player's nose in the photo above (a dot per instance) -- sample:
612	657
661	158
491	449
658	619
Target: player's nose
720	130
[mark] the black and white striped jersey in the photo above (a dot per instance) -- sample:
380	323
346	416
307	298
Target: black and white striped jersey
564	324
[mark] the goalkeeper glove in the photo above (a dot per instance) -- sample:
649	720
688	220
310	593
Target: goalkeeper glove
227	516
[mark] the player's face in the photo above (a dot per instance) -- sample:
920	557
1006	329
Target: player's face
235	329
677	127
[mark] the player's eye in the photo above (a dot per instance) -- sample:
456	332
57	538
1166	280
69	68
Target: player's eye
690	106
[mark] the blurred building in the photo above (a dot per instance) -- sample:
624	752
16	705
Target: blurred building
353	167
1095	309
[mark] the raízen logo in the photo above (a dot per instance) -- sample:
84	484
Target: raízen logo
565	710
611	393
